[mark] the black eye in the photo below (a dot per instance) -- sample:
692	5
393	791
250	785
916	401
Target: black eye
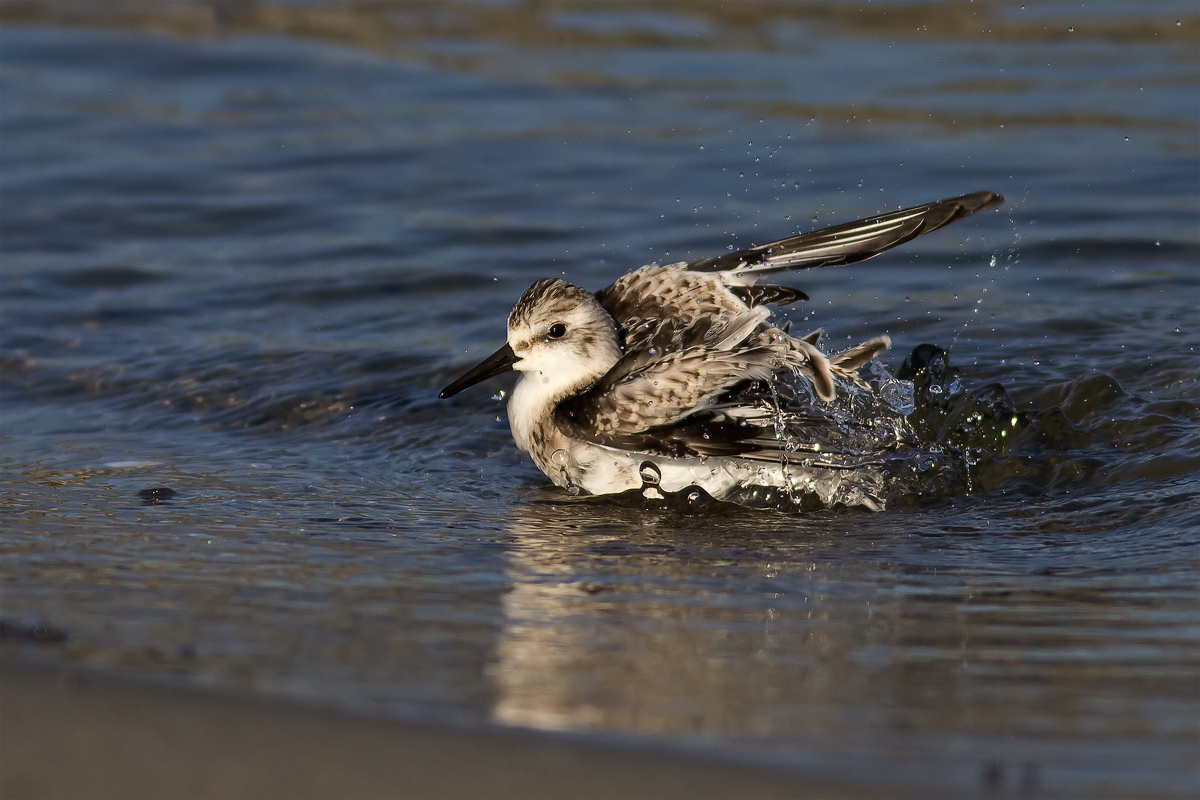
557	330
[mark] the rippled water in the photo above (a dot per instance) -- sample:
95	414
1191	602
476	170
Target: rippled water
243	245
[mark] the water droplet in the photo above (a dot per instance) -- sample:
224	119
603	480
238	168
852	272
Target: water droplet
560	458
693	497
935	389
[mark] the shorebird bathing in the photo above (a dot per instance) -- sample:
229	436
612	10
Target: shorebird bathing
674	379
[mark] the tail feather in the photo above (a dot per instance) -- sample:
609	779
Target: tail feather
860	354
820	369
815	367
846	363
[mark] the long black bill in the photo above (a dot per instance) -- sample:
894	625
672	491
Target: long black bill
500	361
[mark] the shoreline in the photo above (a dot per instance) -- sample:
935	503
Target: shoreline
72	732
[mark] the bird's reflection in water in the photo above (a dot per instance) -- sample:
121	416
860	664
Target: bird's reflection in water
711	622
832	636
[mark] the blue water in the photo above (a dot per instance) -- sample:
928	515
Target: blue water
241	249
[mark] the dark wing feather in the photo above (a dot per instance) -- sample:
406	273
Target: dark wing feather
853	241
761	295
701	435
813	433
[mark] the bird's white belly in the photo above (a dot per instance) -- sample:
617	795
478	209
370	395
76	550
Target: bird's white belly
596	469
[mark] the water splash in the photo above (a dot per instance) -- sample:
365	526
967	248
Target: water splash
896	394
784	449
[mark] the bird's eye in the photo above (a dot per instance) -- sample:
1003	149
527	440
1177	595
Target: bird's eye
557	330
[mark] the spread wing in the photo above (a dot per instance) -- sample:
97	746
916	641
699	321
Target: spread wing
641	300
845	244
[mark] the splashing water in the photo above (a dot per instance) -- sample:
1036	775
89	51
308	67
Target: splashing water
892	438
784	445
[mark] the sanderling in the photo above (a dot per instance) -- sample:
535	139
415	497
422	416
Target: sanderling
668	379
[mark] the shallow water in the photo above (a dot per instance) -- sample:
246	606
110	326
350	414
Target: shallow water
243	246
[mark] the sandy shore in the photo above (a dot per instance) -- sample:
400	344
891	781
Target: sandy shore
72	733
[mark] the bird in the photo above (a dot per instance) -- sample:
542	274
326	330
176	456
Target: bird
673	378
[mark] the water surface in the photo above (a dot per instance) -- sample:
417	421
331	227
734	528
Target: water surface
243	245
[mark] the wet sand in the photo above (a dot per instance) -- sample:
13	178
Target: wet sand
73	733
